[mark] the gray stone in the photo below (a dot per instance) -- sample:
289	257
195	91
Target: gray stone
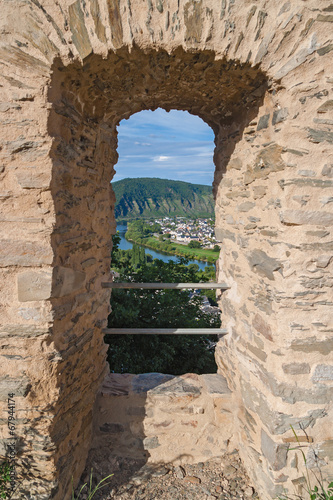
279	116
262	264
296	368
5	106
216	384
327	106
159	6
148	381
177	385
323	261
66	281
24	253
79	31
299	217
224	234
316	183
323	373
263	122
246	206
257	352
318	136
275	421
325	449
327	170
19	386
307	173
317	234
296	60
259	192
276	454
325	50
324	19
12	331
326	200
149	443
34	285
262	327
238	194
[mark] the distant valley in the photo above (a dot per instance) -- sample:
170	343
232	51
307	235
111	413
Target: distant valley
152	197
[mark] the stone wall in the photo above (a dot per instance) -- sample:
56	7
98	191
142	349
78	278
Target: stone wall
260	74
162	418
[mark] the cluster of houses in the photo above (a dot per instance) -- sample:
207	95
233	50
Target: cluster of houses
184	230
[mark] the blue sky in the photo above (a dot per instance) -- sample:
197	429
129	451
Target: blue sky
174	145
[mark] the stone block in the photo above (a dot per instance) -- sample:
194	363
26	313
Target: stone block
79	31
24	253
215	384
19	386
318	136
323	373
264	265
29	179
34	285
148	381
279	115
149	443
276	454
222	234
263	122
66	281
262	327
300	217
327	170
246	206
296	368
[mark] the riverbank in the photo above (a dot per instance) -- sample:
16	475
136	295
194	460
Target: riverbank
179	250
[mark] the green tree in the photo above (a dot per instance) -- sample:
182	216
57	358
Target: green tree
174	354
194	244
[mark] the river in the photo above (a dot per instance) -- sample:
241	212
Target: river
126	245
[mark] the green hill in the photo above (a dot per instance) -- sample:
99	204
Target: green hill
152	197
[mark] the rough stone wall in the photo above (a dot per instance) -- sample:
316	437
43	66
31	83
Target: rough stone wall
260	73
162	418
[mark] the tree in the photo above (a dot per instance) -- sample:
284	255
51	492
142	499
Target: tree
194	244
174	354
216	248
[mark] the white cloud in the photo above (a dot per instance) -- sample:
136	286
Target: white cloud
161	158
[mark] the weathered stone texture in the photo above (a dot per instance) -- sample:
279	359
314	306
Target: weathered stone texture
261	76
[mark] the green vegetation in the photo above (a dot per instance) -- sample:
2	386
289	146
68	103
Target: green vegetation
142	234
319	491
154	197
5	479
88	495
173	354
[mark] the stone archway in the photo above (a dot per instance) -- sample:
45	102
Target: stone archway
260	76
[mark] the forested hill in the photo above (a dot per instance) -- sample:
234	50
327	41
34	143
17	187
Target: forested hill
152	197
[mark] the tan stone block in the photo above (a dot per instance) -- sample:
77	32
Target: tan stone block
34	285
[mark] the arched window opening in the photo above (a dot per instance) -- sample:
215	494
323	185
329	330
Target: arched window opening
165	219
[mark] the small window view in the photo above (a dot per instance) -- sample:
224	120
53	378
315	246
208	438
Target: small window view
165	234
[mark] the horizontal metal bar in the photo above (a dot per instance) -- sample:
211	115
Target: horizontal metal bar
166	331
165	286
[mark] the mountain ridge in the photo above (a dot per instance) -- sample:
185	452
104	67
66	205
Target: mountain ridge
146	197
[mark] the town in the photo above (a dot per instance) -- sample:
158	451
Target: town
183	230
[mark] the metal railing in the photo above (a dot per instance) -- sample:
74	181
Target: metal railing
165	331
